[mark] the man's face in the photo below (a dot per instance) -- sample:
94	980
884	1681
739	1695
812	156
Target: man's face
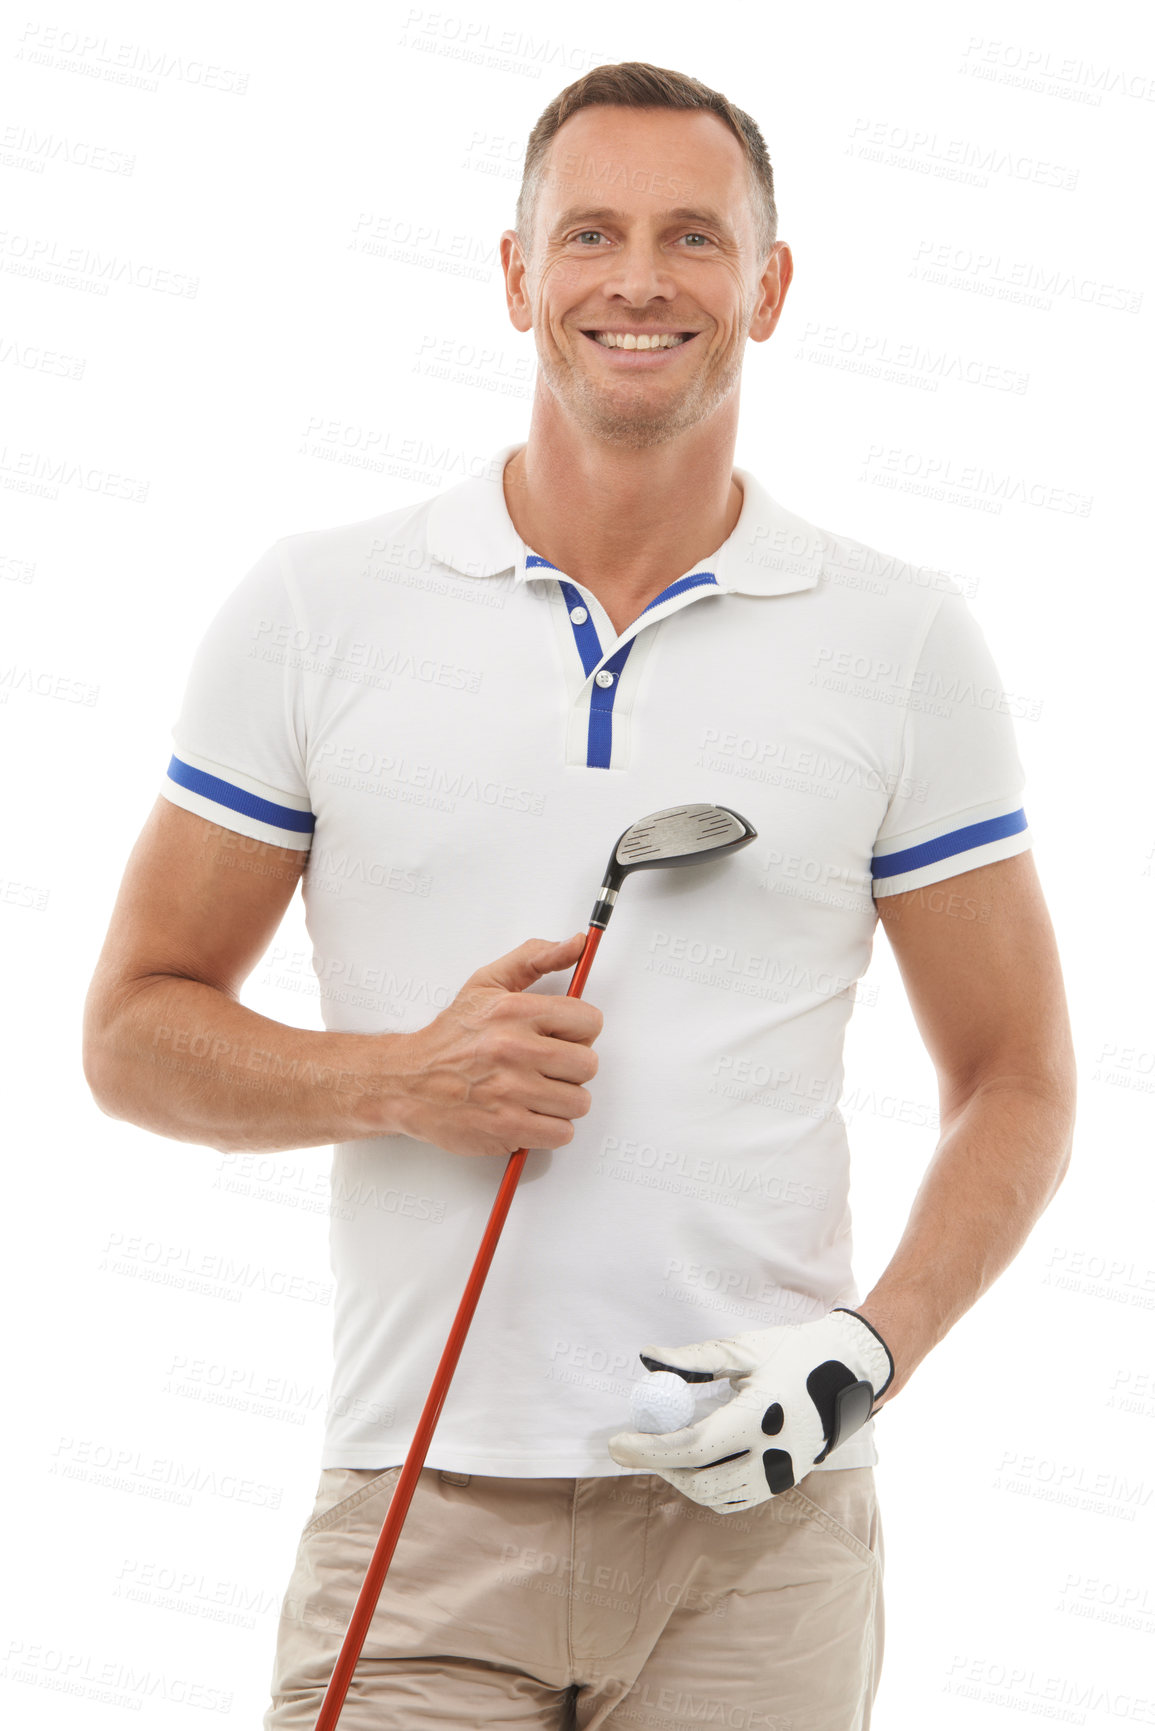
643	225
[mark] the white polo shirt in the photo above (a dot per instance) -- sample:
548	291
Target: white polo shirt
455	731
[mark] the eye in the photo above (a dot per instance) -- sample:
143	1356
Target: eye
596	232
696	236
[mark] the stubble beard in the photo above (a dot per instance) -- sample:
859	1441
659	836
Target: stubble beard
627	423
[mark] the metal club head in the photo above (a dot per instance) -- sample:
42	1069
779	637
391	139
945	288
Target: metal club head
682	835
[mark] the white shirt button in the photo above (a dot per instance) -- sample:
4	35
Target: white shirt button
578	615
605	677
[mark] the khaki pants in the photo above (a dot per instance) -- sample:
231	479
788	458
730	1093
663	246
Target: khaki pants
579	1603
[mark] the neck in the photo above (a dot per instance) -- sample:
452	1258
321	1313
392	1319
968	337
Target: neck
623	523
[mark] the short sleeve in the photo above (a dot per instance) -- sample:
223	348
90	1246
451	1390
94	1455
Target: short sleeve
957	800
239	742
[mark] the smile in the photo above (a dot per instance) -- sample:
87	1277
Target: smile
640	339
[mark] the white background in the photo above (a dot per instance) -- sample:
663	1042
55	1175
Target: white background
966	190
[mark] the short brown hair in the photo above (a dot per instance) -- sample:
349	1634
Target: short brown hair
637	84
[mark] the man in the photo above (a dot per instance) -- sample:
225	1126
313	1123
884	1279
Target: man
448	713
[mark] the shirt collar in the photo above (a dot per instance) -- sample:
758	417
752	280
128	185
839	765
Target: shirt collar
770	551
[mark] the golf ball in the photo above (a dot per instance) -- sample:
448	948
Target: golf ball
661	1402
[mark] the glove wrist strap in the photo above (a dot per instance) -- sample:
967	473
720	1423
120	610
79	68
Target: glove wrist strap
846	1311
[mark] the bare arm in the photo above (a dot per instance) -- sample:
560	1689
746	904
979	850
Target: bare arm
978	958
169	1046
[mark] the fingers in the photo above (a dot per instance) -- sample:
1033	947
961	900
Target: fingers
705	1360
502	1067
630	1449
723	1489
695	1446
543	1093
563	1060
561	1018
525	965
513	1058
540	1097
538	1130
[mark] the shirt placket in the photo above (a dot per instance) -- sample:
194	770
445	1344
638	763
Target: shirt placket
602	697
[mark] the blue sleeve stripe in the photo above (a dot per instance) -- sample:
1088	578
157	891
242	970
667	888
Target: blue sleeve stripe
239	799
908	859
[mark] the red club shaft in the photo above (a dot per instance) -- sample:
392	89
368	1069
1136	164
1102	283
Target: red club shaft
422	1437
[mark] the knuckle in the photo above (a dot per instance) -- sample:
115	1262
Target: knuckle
503	1045
470	1001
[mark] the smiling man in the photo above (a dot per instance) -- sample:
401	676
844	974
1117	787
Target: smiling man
445	713
641	310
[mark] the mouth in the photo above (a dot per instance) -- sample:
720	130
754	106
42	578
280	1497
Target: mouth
640	342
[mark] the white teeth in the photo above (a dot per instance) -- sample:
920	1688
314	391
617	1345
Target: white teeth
627	340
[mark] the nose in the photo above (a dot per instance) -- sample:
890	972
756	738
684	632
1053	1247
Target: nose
639	274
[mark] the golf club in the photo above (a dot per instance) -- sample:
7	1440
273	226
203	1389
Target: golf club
682	835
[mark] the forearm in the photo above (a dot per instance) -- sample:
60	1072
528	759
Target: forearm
189	1062
997	1166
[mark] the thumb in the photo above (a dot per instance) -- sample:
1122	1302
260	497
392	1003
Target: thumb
705	1361
524	966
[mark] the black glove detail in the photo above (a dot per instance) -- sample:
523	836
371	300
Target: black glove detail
779	1470
773	1419
842	1401
686	1375
823	1385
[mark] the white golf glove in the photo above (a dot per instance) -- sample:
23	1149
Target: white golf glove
798	1393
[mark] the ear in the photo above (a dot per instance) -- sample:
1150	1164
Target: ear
775	280
516	271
